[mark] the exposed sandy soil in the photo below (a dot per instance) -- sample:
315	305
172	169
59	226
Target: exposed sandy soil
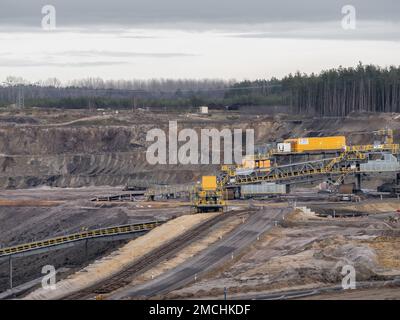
70	211
191	250
365	294
387	250
306	252
374	206
120	259
84	150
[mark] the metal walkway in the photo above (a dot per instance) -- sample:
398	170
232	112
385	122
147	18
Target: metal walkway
169	190
285	176
117	232
120	197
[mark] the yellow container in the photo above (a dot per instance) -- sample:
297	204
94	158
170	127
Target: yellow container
246	163
209	183
250	164
263	164
317	143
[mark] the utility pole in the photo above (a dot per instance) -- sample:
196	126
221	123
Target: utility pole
134	104
20	97
90	104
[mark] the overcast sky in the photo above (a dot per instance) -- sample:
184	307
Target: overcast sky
193	39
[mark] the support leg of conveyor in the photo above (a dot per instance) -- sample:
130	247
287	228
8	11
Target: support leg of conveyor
86	249
358	181
11	272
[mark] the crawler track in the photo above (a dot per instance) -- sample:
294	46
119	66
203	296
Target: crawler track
152	258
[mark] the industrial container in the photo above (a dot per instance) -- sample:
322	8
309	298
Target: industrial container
262	189
284	147
209	182
203	109
229	194
248	163
317	143
389	163
347	188
257	163
263	164
249	166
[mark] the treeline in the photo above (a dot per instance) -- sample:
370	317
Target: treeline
106	103
152	85
335	92
163	93
258	92
148	103
338	92
52	88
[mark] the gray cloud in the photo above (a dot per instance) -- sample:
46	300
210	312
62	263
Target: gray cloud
321	36
155	13
126	54
380	31
31	63
77	55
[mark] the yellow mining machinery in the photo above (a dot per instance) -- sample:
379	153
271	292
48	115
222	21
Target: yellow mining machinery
315	158
302	160
208	197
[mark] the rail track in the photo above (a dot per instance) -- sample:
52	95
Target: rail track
152	258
